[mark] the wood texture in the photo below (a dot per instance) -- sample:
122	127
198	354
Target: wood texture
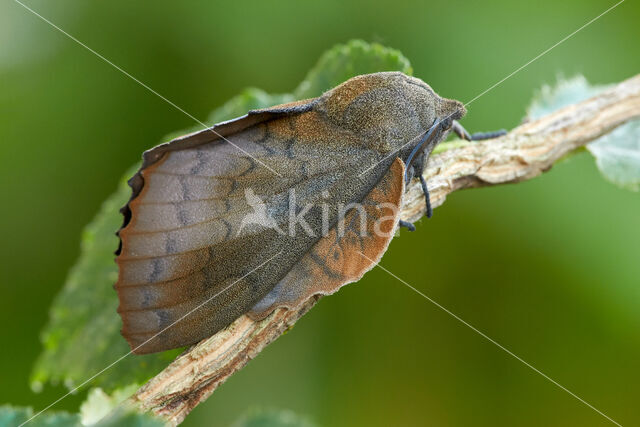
522	154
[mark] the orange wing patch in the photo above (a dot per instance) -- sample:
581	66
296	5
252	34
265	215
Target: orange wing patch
348	251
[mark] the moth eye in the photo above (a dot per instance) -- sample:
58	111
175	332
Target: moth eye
447	123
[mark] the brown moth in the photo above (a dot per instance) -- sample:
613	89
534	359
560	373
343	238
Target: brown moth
212	232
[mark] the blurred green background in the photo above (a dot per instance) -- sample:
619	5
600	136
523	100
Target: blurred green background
549	268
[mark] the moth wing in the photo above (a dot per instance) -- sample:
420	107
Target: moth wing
202	240
217	133
343	255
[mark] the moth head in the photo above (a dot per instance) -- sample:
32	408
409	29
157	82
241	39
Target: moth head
387	110
449	110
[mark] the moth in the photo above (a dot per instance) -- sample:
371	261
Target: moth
269	209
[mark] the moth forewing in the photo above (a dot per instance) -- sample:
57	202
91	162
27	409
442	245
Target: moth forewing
207	234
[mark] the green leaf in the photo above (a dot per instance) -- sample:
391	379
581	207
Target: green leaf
565	92
99	403
335	66
618	155
14	416
122	417
272	418
345	61
618	152
125	416
248	99
83	333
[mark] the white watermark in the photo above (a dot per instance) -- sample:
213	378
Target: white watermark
320	218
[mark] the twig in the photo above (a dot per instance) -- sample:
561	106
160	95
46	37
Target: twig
523	153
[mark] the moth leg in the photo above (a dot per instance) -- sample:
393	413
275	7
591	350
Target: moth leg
460	131
409	226
418	169
478	136
427	199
